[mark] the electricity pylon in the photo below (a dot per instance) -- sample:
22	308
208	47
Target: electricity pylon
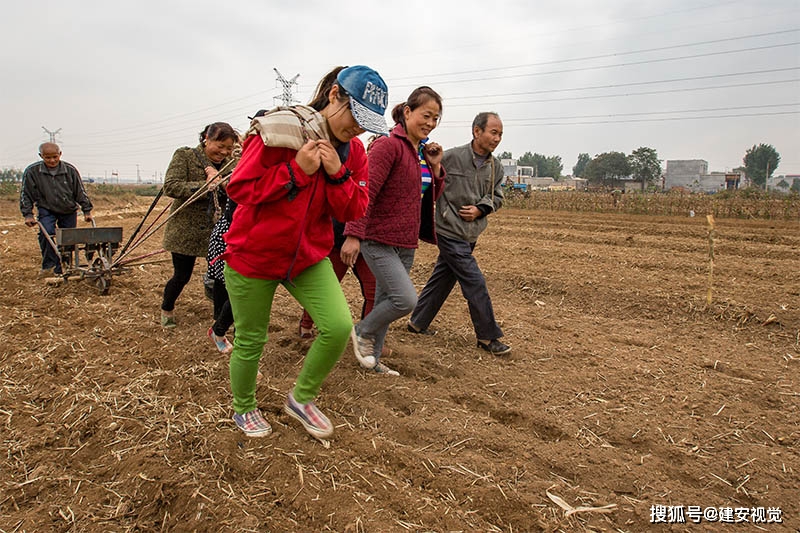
52	134
287	96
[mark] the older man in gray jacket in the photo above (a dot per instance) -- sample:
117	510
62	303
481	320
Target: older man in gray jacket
55	189
473	189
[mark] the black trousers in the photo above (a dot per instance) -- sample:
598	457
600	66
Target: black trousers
182	267
223	316
457	264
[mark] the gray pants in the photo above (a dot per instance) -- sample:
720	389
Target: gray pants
456	263
395	294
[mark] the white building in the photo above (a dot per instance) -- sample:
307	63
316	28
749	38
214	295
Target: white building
693	174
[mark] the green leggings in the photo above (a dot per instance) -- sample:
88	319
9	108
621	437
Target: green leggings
319	292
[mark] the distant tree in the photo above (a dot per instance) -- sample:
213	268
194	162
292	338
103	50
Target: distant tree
542	165
505	155
607	167
795	185
526	160
580	166
11	174
645	165
782	185
556	166
760	162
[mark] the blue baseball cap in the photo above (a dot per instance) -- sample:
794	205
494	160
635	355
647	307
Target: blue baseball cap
369	96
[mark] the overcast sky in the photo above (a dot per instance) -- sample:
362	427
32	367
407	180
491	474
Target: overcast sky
126	83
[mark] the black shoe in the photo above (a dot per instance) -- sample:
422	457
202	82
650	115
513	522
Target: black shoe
495	347
413	329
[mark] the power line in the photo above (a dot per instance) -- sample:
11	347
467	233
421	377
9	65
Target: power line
704	110
615	65
670	119
534	119
646	93
181	115
293	81
575	30
604	56
169	129
148	145
631	84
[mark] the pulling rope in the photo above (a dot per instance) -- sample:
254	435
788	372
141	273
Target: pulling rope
141	223
164	210
194	197
132	260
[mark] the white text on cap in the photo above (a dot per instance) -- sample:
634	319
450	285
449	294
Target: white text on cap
375	95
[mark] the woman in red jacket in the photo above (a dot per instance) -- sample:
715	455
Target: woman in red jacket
299	166
404	170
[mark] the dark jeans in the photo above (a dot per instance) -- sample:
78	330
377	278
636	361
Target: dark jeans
50	221
223	316
182	266
456	263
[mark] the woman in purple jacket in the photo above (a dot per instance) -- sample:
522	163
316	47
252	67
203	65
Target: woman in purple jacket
404	170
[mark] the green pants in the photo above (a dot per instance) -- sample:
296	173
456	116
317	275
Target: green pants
319	292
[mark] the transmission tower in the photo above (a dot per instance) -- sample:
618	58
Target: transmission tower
52	134
286	97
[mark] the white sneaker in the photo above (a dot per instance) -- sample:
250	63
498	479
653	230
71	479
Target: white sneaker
380	368
364	349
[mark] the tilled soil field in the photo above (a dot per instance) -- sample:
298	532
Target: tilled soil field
626	398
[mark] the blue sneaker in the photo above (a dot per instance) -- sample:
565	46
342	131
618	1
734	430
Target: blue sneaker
222	344
317	424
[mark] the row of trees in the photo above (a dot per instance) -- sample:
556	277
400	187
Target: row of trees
642	164
10	174
542	164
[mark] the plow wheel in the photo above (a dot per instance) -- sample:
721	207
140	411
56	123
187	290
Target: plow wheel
101	272
103	284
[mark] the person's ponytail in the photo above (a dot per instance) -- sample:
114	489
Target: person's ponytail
324	87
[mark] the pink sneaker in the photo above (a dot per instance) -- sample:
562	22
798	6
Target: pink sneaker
223	345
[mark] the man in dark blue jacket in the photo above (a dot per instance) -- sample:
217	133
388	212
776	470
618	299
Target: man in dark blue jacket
55	188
